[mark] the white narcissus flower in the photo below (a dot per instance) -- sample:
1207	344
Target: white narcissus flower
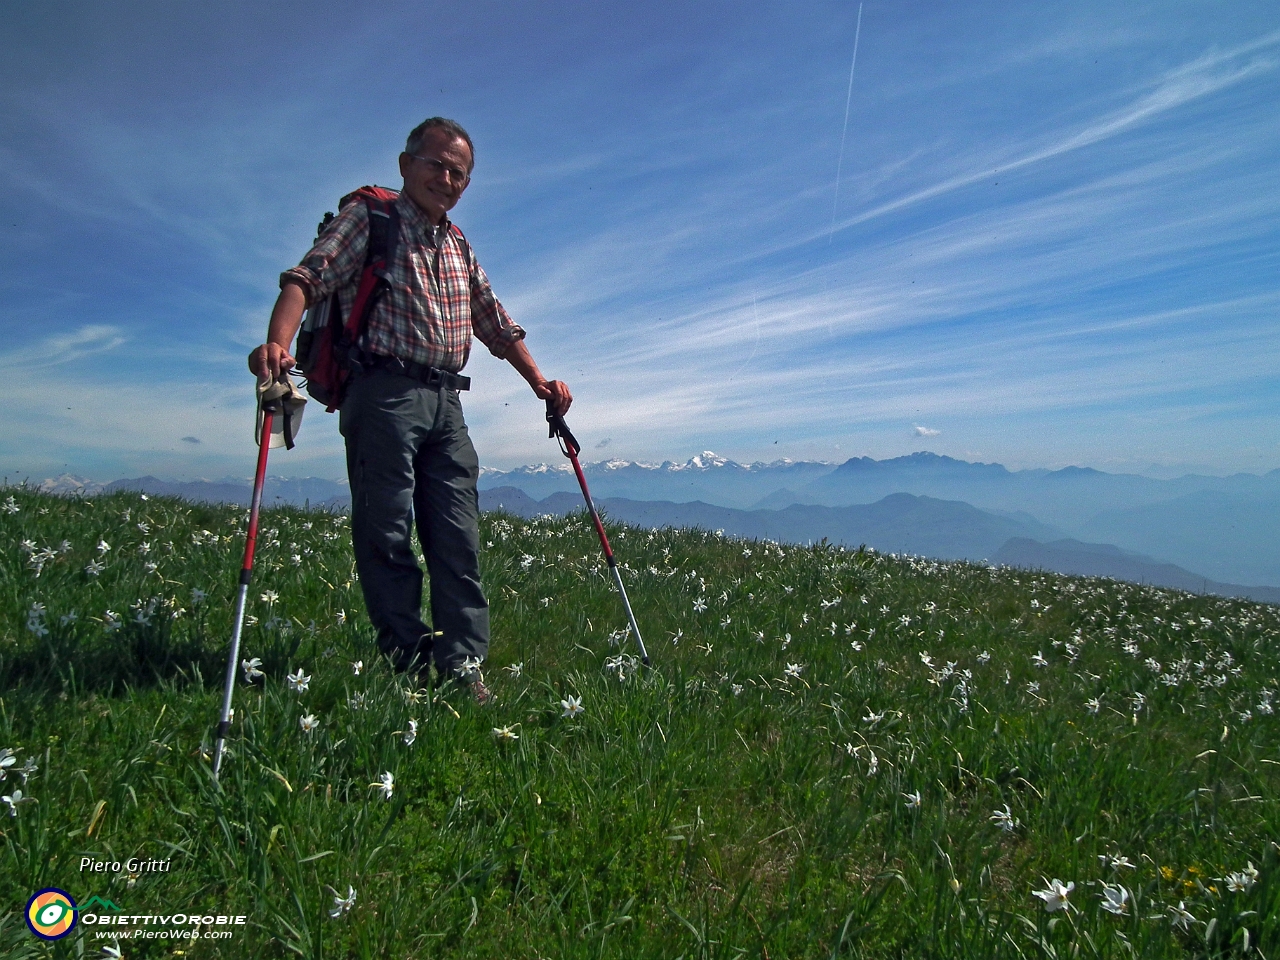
793	669
411	734
385	785
1115	861
912	800
298	682
357	666
1180	916
250	668
1242	881
308	723
342	904
505	734
13	800
1055	895
515	669
1004	819
270	597
1115	899
571	707
8	757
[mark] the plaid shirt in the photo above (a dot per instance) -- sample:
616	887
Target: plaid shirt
439	295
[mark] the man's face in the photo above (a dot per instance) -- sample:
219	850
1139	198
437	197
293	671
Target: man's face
433	187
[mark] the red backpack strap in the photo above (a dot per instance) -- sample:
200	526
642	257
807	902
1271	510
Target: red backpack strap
380	254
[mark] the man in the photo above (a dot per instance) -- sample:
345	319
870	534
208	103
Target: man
408	451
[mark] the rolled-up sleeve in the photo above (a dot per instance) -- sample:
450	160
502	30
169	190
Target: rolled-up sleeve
490	321
337	257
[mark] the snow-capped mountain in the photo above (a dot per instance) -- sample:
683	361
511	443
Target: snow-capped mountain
707	476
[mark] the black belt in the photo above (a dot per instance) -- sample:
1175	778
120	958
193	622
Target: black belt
429	376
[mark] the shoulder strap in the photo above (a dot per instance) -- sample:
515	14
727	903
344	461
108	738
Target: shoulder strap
380	251
384	234
462	241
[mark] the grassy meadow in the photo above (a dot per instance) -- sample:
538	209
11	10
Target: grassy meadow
836	753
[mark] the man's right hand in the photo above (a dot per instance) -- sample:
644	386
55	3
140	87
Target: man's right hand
270	360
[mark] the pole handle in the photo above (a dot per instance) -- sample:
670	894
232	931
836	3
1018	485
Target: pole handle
558	429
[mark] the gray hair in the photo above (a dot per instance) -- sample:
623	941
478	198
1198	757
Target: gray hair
451	127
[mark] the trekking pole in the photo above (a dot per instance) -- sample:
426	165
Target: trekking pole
570	448
246	570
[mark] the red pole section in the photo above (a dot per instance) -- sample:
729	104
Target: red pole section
252	540
595	516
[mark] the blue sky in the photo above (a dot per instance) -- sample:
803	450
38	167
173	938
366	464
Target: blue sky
1054	240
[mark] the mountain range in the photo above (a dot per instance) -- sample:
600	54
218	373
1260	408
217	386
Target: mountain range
1225	529
898	523
1218	531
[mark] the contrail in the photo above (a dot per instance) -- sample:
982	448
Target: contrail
847	99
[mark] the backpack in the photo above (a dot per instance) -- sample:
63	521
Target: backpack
325	342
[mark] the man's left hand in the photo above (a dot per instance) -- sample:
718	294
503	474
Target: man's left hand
557	391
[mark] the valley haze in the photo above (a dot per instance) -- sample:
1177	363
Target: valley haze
1194	532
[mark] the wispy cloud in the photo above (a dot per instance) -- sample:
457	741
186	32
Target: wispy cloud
1199	78
60	349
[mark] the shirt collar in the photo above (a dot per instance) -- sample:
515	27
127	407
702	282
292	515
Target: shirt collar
411	214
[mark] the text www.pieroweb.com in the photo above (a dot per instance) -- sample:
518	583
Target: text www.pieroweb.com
137	934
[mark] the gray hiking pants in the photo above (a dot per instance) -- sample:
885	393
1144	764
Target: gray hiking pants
410	461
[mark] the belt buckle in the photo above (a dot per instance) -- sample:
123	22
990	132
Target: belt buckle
434	377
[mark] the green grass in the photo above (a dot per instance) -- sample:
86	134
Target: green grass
752	795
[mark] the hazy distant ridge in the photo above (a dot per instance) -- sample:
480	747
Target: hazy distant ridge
900	523
1220	529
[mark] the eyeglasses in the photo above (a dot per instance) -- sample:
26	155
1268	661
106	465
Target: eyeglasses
456	174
